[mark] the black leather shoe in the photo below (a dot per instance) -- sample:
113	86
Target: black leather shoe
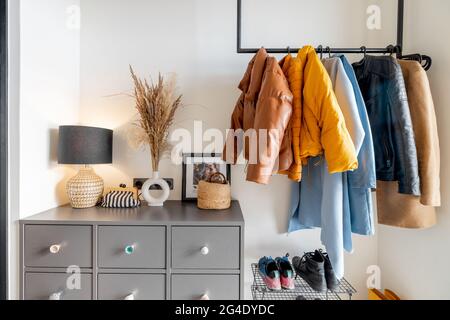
330	276
311	269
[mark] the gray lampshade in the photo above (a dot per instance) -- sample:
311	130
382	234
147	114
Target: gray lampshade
84	145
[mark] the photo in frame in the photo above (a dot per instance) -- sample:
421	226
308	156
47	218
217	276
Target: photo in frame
200	166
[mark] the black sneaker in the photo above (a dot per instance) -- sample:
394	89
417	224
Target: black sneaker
330	276
311	269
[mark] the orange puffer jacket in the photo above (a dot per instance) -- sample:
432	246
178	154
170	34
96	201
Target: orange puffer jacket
294	73
317	125
260	120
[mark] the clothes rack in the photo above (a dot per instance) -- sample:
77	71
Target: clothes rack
397	49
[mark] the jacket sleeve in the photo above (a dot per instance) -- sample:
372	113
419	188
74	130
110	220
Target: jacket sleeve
406	163
430	156
233	144
365	176
425	130
347	102
274	110
335	139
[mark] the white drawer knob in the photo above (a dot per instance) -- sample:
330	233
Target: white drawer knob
130	249
55	248
55	296
205	297
204	251
129	297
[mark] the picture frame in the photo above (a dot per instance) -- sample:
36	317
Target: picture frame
199	166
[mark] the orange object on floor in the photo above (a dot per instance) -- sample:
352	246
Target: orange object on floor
391	295
375	294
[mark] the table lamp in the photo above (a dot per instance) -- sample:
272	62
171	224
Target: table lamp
80	145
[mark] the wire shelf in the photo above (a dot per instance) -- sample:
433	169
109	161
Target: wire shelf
261	292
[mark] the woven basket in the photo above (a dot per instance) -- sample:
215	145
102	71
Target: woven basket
215	193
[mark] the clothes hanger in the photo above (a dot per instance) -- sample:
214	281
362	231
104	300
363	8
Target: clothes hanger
320	51
415	56
364	52
424	60
329	52
428	62
391	49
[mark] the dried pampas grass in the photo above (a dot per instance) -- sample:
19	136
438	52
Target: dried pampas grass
156	104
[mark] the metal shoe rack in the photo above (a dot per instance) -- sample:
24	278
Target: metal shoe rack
261	292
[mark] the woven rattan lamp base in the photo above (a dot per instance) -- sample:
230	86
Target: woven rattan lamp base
85	189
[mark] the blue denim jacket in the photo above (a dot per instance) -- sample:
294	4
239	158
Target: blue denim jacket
362	180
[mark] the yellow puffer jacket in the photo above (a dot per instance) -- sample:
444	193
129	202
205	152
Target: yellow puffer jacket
318	125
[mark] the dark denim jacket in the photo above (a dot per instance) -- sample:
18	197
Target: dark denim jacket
381	81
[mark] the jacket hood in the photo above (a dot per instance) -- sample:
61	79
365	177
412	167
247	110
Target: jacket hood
306	53
252	80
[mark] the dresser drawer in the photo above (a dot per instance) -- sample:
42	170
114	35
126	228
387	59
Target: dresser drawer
57	246
209	287
131	286
132	247
53	286
205	247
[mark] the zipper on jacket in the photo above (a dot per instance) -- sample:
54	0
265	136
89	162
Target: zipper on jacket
387	154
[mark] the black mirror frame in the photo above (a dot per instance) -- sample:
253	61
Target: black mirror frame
3	149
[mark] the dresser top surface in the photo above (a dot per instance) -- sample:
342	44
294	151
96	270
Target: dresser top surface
173	212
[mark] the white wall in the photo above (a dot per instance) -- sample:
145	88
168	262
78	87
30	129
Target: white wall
49	97
43	94
197	40
416	263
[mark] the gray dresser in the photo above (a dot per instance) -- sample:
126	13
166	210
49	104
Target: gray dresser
174	252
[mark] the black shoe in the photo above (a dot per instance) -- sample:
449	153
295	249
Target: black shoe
311	269
330	276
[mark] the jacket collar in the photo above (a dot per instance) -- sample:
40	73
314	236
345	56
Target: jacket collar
383	66
285	63
252	80
305	54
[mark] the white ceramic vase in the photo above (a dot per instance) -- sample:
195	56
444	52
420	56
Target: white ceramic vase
151	200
